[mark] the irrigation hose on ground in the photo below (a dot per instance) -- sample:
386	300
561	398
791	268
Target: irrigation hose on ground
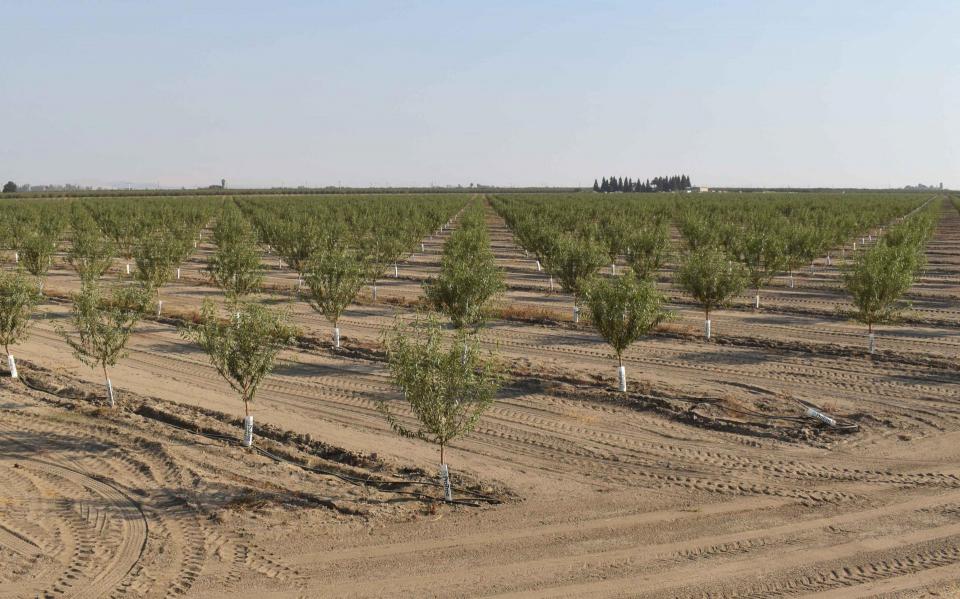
380	485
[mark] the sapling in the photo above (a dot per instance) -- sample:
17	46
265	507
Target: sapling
18	297
574	260
876	280
157	255
799	248
446	388
334	277
648	250
91	252
469	278
380	249
623	310
712	278
763	253
36	256
102	324
235	265
242	348
613	233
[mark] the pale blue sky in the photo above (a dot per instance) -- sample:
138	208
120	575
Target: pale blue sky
759	93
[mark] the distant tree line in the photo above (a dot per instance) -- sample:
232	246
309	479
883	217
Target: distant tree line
672	183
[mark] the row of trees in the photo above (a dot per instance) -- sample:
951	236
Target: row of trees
448	385
626	184
448	382
719	262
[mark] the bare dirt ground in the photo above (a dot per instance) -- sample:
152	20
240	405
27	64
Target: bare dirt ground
706	481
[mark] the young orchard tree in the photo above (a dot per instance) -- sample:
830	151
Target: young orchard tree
876	281
102	324
296	242
712	278
157	255
334	277
800	246
648	250
615	235
446	393
235	266
124	227
36	255
763	253
91	253
623	309
574	261
18	297
243	348
469	278
381	250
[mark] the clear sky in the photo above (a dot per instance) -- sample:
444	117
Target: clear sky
764	93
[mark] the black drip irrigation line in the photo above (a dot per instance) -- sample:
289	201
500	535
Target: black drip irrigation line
380	485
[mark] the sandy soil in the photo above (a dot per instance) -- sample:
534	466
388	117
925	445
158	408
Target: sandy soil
705	482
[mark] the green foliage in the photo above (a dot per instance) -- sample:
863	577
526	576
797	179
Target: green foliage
574	260
614	233
243	348
36	254
9	187
18	298
103	323
648	250
91	252
762	250
334	277
801	244
878	278
380	250
623	309
296	240
711	277
235	265
469	276
157	255
447	385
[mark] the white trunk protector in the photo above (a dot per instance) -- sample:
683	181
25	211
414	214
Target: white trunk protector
445	479
247	431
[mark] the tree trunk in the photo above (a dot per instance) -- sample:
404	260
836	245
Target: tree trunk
247	423
11	362
621	374
445	481
109	386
